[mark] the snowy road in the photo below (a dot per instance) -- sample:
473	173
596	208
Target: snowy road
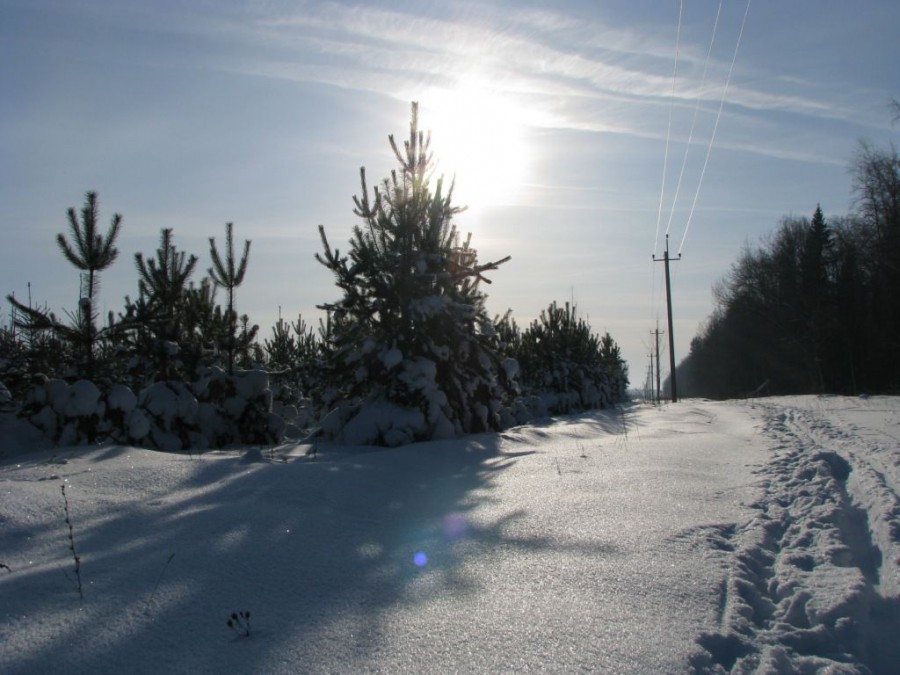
745	536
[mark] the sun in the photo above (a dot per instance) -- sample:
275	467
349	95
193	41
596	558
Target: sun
479	137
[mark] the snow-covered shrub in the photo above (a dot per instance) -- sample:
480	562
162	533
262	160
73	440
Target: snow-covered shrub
375	422
237	408
410	337
215	411
121	398
67	413
6	400
172	412
15	362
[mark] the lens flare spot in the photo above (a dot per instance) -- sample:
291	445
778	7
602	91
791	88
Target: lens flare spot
420	559
454	526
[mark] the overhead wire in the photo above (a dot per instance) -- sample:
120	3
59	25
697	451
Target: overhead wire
691	135
653	277
687	148
712	138
662	189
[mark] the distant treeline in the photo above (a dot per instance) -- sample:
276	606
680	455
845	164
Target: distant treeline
815	308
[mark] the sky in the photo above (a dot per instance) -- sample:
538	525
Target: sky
579	134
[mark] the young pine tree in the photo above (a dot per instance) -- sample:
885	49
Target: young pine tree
225	274
615	368
411	329
566	363
90	252
162	289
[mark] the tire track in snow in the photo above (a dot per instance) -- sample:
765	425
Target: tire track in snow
811	584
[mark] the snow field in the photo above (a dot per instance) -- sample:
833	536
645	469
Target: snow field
702	537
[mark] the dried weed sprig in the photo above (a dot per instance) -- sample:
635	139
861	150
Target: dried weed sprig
75	556
239	622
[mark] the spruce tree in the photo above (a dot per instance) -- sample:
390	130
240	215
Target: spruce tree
411	328
818	297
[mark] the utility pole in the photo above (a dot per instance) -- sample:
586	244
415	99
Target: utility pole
665	259
657	333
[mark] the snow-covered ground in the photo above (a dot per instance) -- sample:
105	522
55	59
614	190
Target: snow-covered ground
754	536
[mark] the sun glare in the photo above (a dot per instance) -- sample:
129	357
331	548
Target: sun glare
479	137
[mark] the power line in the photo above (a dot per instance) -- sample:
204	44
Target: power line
696	113
666	259
665	161
712	138
662	189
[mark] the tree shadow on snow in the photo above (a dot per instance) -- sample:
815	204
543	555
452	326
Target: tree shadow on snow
324	554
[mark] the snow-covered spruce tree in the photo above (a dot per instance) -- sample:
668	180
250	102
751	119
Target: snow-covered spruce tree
410	351
567	365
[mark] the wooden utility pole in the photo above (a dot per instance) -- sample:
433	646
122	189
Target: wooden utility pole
665	259
657	333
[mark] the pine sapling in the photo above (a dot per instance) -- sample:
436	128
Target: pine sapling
72	542
239	622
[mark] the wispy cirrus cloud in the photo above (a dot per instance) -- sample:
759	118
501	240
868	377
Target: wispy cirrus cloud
566	72
578	71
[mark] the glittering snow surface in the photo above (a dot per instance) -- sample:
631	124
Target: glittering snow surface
755	536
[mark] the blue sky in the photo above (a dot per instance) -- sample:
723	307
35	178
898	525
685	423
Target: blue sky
553	116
